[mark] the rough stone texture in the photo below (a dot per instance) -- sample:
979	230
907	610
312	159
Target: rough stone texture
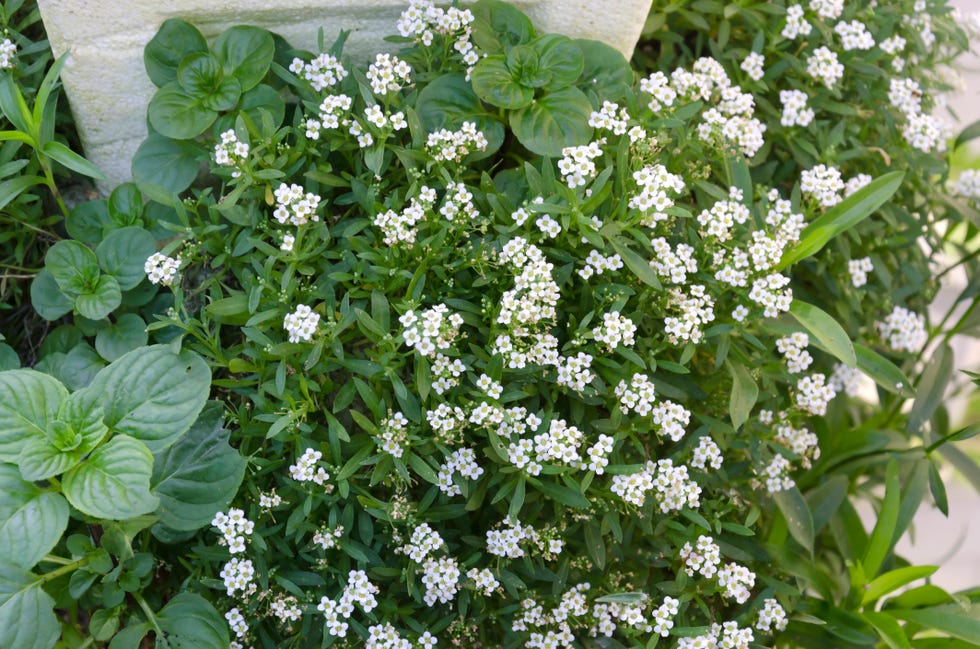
109	90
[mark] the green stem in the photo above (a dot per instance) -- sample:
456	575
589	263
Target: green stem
50	558
27	225
49	176
150	615
64	570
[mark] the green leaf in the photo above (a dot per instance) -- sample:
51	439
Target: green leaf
27	619
843	216
11	189
125	335
125	205
931	388
553	122
199	475
199	73
72	265
893	580
743	396
62	154
173	41
562	494
889	629
797	514
498	26
263	98
246	54
101	300
114	481
561	58
951	619
167	163
606	75
637	264
47	299
494	83
175	113
969	132
882	537
624	598
882	371
29	404
32	521
13	106
826	330
123	254
87	221
448	101
152	394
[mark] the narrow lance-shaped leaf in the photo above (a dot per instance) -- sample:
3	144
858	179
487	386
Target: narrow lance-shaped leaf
743	396
881	537
799	521
824	328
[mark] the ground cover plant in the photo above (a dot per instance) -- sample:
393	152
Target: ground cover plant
513	346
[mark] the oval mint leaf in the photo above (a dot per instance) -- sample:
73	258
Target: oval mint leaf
246	54
27	619
191	622
175	113
113	482
561	58
101	300
173	41
73	266
167	163
31	520
555	121
606	75
494	83
128	333
29	403
123	255
47	299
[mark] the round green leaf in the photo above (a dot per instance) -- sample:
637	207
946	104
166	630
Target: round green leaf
167	163
561	58
9	360
555	121
123	255
245	53
77	430
113	482
87	221
32	521
606	74
76	369
494	83
263	98
27	619
101	300
72	265
152	394
175	113
125	205
40	459
191	622
128	333
449	101
47	299
522	61
225	96
163	54
198	475
498	26
29	402
199	73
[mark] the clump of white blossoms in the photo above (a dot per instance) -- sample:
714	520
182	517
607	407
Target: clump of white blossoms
846	379
707	454
423	20
423	542
393	434
301	324
858	270
333	111
306	468
436	329
445	145
824	66
827	9
823	183
234	528
854	35
388	73
727	635
772	616
236	622
230	151
968	184
576	166
441	580
795	109
793	349
752	65
856	183
904	330
703	557
161	269
8	53
295	205
610	117
652	200
399	227
463	462
814	393
737	580
507	542
322	72
360	591
615	330
921	130
796	24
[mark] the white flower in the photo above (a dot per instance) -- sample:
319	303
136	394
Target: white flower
161	269
752	65
301	324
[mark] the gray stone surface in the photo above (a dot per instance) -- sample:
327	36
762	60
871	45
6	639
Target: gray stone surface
109	90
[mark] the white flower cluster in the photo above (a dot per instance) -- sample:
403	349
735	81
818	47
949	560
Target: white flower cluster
575	372
559	444
236	622
675	488
576	166
507	542
551	629
796	24
630	615
230	151
662	95
753	65
359	590
483	580
435	330
441	580
824	66
854	35
968	184
772	616
610	117
446	373
925	132
703	557
652	201
491	388
793	349
324	71
737	581
671	418
823	183
904	330
376	116
732	121
814	393
696	308
673	264
422	20
288	241
458	200
795	109
423	542
800	441
270	500
856	183
388	73
294	205
771	294
445	145
846	379
238	574
599	454
776	474
462	461
445	419
306	469
827	9
707	454
333	109
663	616
530	303
301	324
905	94
399	227
615	330
597	264
161	269
719	636
326	539
286	608
858	270
720	219
637	396
234	528
394	434
8	52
